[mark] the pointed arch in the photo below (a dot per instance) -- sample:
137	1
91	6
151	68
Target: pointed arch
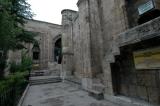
57	49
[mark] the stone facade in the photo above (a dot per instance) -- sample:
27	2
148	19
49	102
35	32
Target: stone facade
98	43
104	34
47	34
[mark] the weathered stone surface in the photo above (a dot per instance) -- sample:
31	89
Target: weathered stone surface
154	95
61	94
98	43
47	35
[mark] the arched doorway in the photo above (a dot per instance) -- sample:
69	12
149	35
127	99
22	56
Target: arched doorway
58	51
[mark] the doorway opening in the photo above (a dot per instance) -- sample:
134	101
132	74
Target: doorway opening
58	51
36	53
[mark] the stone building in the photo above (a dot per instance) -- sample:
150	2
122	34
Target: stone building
46	55
48	35
112	46
109	47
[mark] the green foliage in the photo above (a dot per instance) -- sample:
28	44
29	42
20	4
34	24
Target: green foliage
7	30
2	64
12	16
15	67
11	88
26	65
17	79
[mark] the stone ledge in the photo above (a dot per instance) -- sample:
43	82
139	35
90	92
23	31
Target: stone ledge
142	32
96	94
23	96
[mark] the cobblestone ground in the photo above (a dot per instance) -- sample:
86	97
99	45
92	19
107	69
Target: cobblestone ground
60	94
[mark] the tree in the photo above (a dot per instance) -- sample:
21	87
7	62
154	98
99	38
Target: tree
13	14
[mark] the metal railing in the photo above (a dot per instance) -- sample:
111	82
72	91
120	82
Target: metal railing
11	96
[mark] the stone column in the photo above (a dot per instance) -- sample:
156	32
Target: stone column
84	21
115	22
67	42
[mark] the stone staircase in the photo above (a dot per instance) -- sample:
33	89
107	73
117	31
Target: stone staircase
50	75
44	80
54	69
37	73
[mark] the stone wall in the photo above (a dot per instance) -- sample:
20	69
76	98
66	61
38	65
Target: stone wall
77	43
99	30
145	82
114	21
46	36
132	10
46	33
98	47
136	83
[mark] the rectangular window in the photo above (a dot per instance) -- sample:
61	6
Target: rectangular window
145	7
35	55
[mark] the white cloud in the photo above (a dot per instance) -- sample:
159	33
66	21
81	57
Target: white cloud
50	10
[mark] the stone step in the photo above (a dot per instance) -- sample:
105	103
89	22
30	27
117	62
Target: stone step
44	81
37	73
96	94
55	72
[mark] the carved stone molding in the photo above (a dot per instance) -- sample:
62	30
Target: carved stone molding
139	33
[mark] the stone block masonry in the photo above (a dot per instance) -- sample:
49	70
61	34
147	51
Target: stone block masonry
98	45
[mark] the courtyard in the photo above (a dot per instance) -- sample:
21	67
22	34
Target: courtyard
60	94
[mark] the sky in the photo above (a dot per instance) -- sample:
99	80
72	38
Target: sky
50	10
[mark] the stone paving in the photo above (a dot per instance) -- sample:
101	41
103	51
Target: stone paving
60	94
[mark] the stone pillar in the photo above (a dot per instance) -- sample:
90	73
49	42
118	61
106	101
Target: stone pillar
95	37
115	22
67	42
84	22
